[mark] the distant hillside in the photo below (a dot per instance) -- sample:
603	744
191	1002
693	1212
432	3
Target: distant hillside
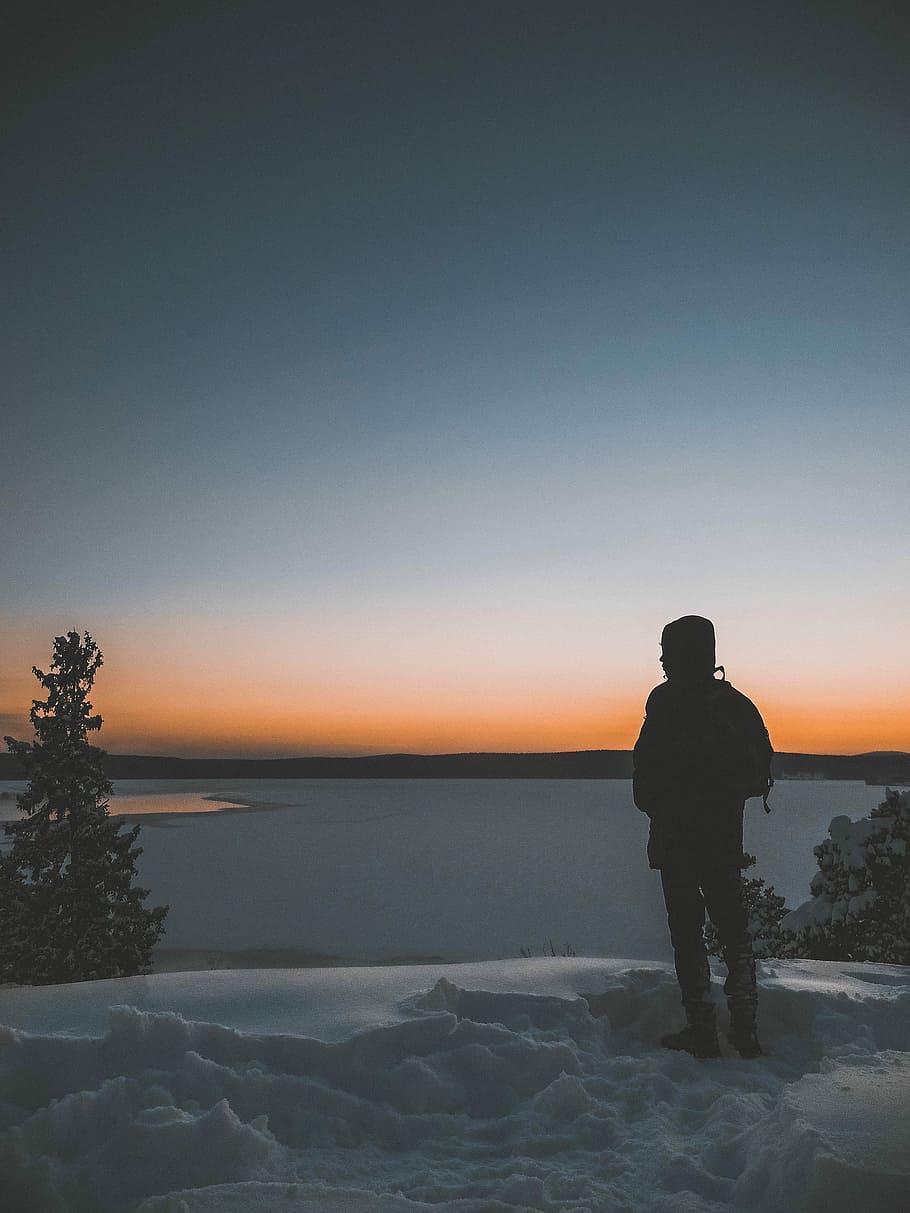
874	768
582	764
885	767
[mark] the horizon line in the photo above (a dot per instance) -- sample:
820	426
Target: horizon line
235	757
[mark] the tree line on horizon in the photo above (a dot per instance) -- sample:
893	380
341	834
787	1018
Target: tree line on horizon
885	768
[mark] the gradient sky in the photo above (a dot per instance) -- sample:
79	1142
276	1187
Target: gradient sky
383	377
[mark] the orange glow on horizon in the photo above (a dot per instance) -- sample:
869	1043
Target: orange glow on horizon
262	723
341	725
858	728
259	708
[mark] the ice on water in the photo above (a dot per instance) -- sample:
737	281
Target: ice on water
454	869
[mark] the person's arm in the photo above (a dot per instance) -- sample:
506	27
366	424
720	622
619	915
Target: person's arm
645	759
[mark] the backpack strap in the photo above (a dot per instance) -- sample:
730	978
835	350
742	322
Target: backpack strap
764	798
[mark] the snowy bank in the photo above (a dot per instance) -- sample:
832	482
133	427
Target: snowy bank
480	1088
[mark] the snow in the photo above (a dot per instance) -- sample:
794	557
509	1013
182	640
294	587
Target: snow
862	867
481	1088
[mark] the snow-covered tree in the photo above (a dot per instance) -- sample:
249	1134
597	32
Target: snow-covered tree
860	908
766	909
68	910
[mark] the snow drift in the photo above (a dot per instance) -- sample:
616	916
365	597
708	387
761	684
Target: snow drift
479	1088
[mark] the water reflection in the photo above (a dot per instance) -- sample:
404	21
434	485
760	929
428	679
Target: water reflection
130	803
167	802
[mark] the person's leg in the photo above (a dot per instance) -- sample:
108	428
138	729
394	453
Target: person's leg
685	918
723	894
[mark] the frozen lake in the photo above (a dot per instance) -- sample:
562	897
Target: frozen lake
379	870
411	1089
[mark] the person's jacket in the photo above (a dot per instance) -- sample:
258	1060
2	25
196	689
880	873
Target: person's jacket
685	773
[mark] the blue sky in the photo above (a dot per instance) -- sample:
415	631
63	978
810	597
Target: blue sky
423	339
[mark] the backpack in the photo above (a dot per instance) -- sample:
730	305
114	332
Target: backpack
740	741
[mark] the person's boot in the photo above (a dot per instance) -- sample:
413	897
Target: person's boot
699	1036
743	1035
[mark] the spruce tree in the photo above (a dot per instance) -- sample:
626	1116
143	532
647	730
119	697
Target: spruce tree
68	909
860	907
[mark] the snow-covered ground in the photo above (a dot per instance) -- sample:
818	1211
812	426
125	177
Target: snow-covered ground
480	1088
483	1087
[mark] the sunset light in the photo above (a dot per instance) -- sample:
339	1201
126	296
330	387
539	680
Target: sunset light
364	403
460	449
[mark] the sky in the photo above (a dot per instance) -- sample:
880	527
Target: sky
383	377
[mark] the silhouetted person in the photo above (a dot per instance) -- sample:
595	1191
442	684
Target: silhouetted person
702	750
